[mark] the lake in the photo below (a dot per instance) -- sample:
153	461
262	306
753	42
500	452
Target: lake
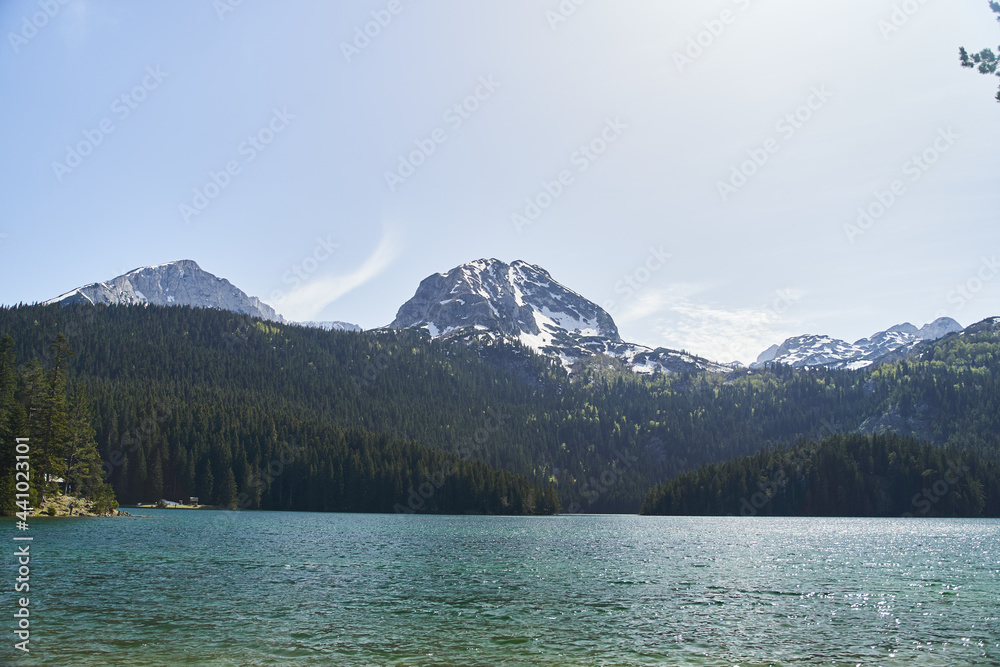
265	588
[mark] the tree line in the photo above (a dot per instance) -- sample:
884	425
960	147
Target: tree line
854	475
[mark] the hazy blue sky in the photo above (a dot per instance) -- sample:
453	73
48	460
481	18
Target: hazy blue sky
308	117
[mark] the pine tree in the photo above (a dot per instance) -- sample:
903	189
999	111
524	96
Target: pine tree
103	499
8	385
49	414
985	61
84	471
155	481
227	490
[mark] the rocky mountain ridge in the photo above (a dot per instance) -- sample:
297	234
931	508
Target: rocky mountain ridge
490	300
816	350
179	283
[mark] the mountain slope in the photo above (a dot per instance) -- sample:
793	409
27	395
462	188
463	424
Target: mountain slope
519	302
180	283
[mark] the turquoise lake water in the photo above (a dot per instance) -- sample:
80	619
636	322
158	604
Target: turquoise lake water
220	588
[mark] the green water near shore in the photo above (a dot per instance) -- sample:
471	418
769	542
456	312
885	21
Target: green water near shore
220	588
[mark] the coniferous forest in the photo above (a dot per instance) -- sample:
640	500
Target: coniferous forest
37	403
241	412
854	475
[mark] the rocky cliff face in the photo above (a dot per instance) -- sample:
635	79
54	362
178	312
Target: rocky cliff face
180	283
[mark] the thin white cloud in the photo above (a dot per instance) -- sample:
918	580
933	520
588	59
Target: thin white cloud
652	301
306	301
682	320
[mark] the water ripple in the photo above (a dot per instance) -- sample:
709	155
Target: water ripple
187	588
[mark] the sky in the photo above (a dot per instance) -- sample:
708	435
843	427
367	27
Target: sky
719	175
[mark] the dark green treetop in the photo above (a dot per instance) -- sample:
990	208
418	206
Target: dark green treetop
985	60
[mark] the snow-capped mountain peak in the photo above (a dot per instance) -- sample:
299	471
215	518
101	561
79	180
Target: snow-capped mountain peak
522	302
179	283
518	300
939	328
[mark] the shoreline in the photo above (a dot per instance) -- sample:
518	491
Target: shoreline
153	506
59	505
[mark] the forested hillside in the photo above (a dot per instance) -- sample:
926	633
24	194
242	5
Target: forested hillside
200	402
855	475
229	444
949	394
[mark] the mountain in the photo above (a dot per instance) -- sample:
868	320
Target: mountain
331	326
939	328
180	283
489	300
810	351
768	355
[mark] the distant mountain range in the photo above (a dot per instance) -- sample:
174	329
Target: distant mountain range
893	343
332	326
489	300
